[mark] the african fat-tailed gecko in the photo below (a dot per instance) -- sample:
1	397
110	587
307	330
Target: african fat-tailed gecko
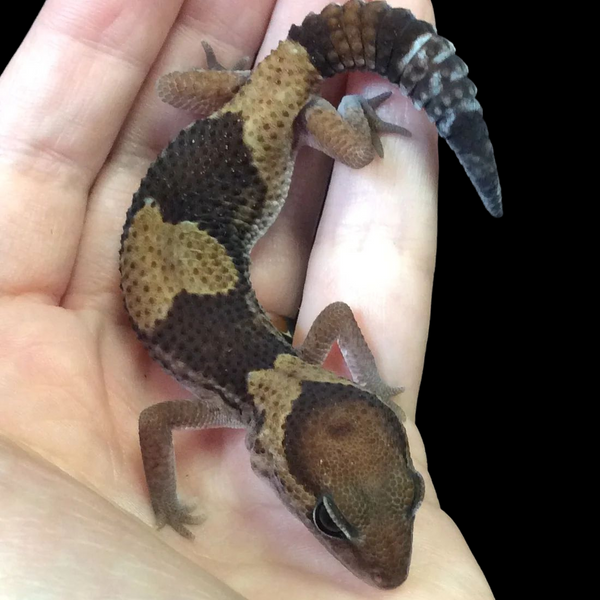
335	450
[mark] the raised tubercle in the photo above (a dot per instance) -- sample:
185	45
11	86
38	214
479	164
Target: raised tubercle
407	51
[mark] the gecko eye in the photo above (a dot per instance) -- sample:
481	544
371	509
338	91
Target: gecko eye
330	521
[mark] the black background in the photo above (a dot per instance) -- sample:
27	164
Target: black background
471	379
471	389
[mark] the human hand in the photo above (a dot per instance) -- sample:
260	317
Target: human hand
80	124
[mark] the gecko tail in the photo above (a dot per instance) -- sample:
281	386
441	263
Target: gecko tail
393	43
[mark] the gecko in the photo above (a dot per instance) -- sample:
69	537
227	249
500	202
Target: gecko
335	450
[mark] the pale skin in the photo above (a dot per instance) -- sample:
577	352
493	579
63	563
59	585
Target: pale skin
79	125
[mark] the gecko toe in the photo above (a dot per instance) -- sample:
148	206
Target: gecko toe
377	101
376	123
211	60
177	516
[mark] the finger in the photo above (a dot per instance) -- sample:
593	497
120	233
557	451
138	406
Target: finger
64	97
280	258
152	124
149	128
375	246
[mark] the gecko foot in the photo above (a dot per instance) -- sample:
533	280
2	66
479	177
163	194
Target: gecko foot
177	516
378	125
214	65
385	393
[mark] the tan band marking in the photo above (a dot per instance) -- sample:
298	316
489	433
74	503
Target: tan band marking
160	260
269	103
278	387
275	390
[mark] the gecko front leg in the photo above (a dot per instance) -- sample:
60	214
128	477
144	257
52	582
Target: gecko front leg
336	322
156	427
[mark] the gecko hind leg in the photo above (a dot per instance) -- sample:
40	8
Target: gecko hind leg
203	91
349	134
376	124
336	322
156	425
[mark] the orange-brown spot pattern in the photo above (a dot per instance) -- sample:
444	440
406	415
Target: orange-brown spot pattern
343	37
269	104
160	259
353	31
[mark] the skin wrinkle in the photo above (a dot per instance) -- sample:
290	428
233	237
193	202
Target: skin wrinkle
101	47
149	569
81	166
60	40
110	20
234	43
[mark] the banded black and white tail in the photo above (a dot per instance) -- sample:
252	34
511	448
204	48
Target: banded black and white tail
392	42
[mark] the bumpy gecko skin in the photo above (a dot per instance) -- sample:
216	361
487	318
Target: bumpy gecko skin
335	450
393	43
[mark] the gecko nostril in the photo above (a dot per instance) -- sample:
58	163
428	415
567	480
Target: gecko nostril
388	581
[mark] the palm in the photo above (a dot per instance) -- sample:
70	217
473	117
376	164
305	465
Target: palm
72	374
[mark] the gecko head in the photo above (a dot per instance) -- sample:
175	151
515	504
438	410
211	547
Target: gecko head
352	473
